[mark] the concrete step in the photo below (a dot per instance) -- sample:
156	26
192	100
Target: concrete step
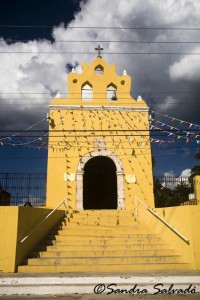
130	216
103	260
103	217
98	253
101	233
78	225
105	267
94	218
101	212
104	239
101	241
64	284
100	247
101	222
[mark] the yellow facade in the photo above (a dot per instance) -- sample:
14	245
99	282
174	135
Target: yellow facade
81	129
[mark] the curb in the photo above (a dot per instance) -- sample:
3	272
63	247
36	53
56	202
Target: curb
99	285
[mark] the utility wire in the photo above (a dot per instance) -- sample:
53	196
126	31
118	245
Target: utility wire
136	91
110	41
93	53
79	94
40	101
25	99
26	105
98	130
106	135
100	27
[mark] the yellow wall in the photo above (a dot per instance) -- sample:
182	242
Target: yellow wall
8	237
66	148
16	222
197	188
185	219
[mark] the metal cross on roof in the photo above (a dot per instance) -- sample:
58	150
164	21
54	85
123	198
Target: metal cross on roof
99	51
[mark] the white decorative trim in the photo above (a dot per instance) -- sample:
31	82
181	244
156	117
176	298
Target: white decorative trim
98	107
124	72
130	178
139	98
58	96
119	173
69	177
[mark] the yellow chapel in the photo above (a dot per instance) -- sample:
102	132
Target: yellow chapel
99	147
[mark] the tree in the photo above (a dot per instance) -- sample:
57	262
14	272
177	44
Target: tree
153	160
157	190
181	192
196	169
166	197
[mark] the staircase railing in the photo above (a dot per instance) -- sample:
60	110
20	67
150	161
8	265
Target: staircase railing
138	201
43	220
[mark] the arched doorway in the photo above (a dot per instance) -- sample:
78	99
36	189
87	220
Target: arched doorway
100	184
119	172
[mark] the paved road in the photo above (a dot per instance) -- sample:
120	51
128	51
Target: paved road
107	297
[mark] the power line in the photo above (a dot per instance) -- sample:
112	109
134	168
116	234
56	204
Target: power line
24	109
100	27
96	130
107	53
110	41
136	91
45	103
189	146
64	138
23	99
100	135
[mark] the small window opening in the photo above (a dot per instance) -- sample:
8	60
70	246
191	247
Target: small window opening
112	92
99	70
87	93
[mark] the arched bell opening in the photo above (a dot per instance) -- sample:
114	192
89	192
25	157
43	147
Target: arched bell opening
112	92
86	91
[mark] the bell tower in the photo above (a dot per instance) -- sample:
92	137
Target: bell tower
99	152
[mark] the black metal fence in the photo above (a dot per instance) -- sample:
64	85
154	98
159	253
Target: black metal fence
30	189
25	188
173	191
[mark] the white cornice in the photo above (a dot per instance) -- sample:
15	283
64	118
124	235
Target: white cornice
98	107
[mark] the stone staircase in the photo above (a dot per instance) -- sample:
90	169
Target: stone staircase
102	241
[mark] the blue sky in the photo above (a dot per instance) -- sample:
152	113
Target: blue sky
169	83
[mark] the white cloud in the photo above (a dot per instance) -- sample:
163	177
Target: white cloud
167	103
171	180
186	173
45	73
187	68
